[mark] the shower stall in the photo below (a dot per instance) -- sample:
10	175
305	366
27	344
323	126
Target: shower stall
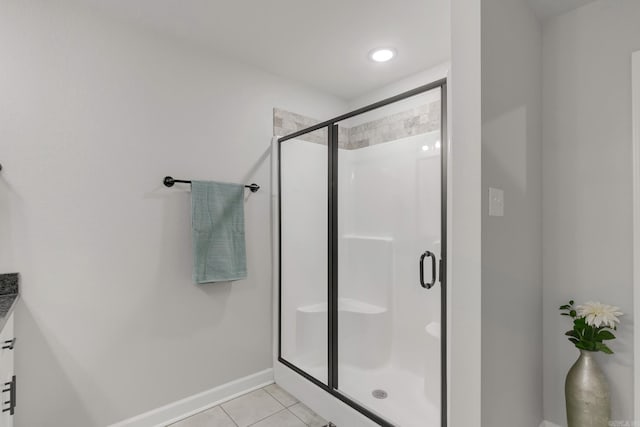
361	297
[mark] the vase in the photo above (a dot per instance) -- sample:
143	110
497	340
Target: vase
587	393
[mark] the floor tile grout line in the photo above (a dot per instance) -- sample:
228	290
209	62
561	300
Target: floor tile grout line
268	416
229	415
246	394
296	415
277	412
282	409
272	395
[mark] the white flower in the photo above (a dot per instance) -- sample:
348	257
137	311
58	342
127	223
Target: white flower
597	314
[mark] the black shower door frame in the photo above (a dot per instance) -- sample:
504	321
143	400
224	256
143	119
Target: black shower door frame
332	286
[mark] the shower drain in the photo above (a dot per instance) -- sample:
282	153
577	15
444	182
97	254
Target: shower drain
379	394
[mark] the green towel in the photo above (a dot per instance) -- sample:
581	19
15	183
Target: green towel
219	251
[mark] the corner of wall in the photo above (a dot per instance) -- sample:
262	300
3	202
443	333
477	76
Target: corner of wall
465	269
512	244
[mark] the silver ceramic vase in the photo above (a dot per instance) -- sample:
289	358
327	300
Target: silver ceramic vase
587	393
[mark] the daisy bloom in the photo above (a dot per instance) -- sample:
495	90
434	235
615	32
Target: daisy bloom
597	314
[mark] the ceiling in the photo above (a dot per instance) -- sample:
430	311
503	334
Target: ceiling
321	43
547	8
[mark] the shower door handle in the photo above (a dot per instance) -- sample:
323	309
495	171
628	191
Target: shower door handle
433	270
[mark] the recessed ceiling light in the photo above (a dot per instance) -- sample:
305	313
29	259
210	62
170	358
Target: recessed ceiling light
382	55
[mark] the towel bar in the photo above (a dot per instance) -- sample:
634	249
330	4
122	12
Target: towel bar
170	181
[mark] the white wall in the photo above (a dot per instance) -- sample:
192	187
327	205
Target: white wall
464	229
93	114
512	244
636	221
410	82
587	186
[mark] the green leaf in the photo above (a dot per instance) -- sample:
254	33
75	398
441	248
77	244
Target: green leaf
571	302
582	345
589	332
572	333
604	348
605	335
565	307
574	340
573	313
580	322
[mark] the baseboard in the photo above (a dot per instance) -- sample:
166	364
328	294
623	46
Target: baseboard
548	424
191	405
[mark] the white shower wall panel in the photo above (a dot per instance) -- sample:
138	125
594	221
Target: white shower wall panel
390	198
367	272
389	214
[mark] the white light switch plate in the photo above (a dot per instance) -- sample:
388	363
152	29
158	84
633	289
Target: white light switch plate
496	202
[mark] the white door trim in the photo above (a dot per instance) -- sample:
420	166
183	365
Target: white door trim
635	73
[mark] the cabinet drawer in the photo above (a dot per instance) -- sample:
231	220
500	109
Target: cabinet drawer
6	371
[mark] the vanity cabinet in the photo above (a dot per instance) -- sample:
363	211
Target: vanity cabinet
7	375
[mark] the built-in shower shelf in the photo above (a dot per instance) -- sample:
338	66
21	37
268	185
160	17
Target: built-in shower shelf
346	305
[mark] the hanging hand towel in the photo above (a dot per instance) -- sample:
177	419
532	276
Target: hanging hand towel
218	232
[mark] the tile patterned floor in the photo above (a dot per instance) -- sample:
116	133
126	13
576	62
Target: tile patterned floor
270	406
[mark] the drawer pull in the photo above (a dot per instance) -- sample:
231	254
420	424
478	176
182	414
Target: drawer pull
12	396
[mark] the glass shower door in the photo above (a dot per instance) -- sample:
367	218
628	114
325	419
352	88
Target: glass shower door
388	254
362	220
303	254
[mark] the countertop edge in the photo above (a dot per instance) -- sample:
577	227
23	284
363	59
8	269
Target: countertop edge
3	320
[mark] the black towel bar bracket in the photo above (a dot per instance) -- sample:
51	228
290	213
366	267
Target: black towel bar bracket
169	182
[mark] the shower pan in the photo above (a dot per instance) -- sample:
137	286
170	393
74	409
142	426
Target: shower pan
361	298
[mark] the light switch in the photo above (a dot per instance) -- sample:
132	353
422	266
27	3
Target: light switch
496	202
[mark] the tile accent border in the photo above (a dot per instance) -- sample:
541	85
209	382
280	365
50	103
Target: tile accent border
192	405
286	122
415	121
